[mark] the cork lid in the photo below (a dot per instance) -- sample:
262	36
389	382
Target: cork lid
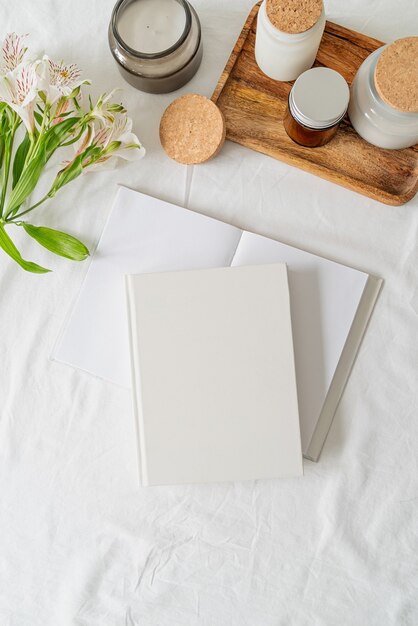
293	16
396	75
192	129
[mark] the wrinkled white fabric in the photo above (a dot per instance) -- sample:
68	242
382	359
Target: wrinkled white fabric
80	543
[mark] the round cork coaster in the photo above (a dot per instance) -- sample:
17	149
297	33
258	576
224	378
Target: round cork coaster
396	75
192	129
294	16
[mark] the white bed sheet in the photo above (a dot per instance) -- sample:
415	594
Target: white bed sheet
80	544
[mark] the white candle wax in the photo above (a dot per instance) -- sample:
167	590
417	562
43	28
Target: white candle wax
152	26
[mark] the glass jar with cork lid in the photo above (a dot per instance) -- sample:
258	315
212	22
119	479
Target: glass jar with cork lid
384	96
288	36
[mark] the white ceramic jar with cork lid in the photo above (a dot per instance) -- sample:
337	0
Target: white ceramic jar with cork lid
288	36
384	96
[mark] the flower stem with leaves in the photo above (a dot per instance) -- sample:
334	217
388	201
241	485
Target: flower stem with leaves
42	102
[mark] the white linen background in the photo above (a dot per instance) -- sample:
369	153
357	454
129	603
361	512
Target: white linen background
80	543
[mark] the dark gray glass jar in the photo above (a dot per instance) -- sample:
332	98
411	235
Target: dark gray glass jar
165	70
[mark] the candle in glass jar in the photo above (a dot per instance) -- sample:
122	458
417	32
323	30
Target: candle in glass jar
157	44
152	26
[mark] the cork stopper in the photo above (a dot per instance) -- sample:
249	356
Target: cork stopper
396	75
192	129
293	16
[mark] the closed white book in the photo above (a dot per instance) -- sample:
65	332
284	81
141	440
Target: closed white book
213	375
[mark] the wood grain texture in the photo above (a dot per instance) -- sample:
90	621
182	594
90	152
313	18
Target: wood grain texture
254	107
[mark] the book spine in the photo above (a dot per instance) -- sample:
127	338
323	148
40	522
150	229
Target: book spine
136	390
344	367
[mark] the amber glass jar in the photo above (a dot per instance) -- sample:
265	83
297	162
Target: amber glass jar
317	103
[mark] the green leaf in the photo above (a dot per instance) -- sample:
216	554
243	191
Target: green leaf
57	242
75	168
66	114
38	117
9	247
31	174
66	175
20	158
74	138
55	135
4	131
27	182
2	146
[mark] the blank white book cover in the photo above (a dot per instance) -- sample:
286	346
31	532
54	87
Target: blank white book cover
213	375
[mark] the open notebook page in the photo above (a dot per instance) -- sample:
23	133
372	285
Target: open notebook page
324	297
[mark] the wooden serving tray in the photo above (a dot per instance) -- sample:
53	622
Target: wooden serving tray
254	107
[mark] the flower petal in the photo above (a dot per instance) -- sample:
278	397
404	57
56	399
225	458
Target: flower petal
13	52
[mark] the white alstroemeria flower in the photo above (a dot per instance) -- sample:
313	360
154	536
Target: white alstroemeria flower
19	90
13	52
116	140
57	80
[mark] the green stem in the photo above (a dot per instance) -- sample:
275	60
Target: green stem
15	217
5	176
35	144
41	130
30	151
7	161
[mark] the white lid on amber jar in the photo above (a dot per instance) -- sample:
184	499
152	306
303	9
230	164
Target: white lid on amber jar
319	98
